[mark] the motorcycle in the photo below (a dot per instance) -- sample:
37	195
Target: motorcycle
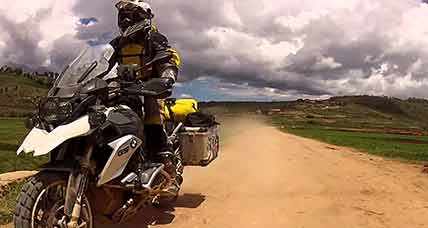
98	164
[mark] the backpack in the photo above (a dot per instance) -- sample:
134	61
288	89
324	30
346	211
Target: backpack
200	119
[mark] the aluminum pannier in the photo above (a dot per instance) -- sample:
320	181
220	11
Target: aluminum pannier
199	145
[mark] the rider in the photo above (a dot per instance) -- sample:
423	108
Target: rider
141	44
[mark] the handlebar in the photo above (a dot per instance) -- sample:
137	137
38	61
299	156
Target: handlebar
129	88
139	92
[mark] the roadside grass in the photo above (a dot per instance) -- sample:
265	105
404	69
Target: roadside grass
8	202
397	146
386	145
12	132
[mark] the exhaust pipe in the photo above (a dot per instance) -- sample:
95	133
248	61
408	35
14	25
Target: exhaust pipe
146	177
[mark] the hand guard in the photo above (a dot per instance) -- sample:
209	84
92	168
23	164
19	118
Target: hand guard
159	87
169	73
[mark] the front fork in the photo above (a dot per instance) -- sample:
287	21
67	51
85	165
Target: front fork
76	188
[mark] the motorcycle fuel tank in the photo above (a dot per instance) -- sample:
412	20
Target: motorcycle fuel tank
125	122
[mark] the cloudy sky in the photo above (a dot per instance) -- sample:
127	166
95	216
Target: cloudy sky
246	49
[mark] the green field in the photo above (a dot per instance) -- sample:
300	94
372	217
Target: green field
12	132
387	145
397	146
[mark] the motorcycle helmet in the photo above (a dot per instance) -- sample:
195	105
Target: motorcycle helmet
133	12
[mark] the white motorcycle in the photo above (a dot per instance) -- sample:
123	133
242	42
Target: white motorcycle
98	164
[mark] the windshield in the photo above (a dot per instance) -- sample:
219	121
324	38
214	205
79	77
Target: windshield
91	63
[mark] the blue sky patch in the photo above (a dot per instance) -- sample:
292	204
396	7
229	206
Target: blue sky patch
87	21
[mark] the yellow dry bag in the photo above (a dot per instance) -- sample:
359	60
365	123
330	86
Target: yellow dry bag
179	108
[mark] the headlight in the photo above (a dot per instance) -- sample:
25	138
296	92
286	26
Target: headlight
55	111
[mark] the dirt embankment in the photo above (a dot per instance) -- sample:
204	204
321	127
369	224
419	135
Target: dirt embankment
9	178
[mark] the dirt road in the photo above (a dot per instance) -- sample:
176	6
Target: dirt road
266	178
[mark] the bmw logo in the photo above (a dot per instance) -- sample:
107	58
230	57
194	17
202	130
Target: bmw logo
134	143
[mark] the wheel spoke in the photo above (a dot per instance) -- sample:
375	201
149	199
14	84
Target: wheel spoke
49	208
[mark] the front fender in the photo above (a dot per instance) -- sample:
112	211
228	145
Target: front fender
42	142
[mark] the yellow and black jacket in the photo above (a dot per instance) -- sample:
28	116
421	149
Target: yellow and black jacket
152	51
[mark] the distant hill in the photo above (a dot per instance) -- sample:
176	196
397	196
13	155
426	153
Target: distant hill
412	110
17	93
361	112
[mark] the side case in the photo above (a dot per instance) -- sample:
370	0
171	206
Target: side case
200	146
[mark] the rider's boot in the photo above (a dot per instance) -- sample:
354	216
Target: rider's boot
159	144
173	189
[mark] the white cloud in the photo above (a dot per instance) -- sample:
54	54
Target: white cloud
326	63
184	95
178	85
21	10
61	20
297	23
231	14
410	33
276	48
30	29
417	66
231	43
245	92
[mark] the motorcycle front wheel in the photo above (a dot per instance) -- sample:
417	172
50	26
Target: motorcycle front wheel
41	203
